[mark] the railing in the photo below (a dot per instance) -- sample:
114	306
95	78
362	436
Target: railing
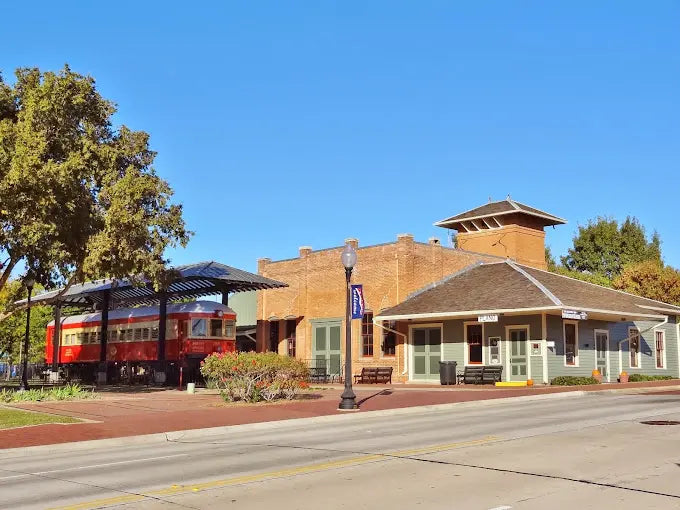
324	369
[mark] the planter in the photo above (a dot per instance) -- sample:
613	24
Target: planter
597	375
623	378
530	382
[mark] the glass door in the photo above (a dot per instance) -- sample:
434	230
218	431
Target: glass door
427	352
518	354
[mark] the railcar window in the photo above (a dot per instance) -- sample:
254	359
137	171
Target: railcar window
154	333
198	327
129	335
81	339
229	329
138	335
215	327
146	334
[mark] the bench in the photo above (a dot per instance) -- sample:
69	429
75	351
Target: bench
481	374
376	375
318	374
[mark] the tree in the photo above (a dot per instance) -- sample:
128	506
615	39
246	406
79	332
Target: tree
650	279
604	248
78	199
13	329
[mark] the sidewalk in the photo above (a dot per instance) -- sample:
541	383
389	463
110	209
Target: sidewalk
129	414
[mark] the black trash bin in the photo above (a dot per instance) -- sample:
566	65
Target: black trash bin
447	372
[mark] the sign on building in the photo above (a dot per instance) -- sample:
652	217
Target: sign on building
575	315
491	317
358	304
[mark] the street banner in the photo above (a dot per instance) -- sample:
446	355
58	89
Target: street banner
357	301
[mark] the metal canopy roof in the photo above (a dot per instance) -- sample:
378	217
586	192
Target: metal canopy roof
193	281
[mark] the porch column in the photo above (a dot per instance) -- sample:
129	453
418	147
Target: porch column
56	342
103	338
544	347
225	298
162	332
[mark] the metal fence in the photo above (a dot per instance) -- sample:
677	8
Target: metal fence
325	369
35	372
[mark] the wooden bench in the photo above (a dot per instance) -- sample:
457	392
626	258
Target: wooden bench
375	375
481	374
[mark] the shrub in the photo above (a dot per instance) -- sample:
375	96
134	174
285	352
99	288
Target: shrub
68	392
252	377
570	380
643	377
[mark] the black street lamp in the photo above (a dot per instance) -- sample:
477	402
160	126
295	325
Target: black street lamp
349	399
29	282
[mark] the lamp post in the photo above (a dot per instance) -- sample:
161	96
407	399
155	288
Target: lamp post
348	399
29	282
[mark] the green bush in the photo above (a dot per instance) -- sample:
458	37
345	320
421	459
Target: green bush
253	377
643	377
570	380
68	392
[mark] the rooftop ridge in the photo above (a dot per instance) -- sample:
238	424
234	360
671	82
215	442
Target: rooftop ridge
603	287
538	284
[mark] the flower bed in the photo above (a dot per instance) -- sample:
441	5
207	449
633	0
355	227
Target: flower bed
570	380
68	392
254	377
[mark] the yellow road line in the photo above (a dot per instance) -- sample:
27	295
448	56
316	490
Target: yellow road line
257	477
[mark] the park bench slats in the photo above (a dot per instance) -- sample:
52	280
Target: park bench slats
481	374
370	375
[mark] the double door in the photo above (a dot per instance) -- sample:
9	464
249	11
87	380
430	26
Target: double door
326	347
427	353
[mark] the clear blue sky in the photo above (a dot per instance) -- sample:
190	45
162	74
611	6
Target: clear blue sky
281	124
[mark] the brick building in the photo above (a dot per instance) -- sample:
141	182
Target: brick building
306	319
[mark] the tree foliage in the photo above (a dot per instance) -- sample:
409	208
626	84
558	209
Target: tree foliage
78	199
603	247
650	279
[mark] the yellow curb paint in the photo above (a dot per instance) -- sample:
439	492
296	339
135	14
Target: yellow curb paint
175	490
511	383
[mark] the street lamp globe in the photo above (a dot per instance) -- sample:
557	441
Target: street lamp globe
29	282
349	256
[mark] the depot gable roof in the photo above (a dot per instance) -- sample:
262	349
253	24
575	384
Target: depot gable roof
498	209
509	287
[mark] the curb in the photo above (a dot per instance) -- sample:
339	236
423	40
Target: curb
165	437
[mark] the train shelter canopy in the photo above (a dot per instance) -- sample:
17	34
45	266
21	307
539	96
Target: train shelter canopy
190	281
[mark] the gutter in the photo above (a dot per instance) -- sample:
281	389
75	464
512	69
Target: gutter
627	339
404	336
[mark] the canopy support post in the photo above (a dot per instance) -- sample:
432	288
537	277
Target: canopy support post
162	333
56	343
102	375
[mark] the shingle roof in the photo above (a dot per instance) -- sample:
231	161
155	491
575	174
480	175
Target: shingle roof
500	208
508	286
194	280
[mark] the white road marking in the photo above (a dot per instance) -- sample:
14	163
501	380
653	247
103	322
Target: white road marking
92	466
505	507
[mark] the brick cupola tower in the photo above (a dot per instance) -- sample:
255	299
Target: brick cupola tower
506	229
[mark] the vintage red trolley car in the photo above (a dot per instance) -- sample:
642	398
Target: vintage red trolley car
193	331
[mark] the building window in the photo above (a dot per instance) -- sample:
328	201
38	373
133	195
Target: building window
290	337
570	344
389	345
634	347
198	327
660	349
474	335
367	334
216	327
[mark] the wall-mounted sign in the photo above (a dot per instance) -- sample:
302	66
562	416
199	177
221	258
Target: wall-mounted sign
575	315
491	317
550	344
357	301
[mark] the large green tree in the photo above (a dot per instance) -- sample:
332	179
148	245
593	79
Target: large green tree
79	199
603	247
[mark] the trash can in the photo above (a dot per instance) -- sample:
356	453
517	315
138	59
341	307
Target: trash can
447	372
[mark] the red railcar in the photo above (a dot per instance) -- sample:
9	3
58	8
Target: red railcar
193	331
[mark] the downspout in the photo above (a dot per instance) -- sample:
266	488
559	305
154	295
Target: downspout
404	336
627	339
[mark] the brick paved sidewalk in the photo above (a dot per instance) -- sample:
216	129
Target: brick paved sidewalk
130	414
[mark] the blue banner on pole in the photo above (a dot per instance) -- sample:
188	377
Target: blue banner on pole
357	301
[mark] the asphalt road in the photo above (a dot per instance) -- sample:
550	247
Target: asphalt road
566	452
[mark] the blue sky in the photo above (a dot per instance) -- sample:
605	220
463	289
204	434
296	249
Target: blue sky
281	124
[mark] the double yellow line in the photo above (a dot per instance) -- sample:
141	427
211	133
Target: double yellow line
258	477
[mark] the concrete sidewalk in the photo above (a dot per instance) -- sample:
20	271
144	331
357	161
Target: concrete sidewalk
117	415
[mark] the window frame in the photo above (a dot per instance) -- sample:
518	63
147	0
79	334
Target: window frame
638	357
205	327
367	336
663	349
467	344
576	362
392	325
210	328
291	337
